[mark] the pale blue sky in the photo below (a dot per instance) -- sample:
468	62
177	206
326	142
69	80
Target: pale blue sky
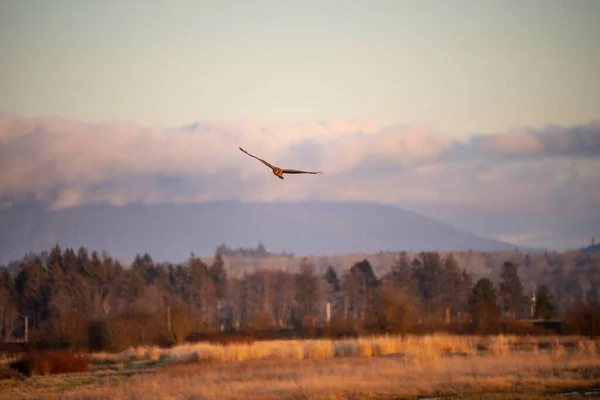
462	67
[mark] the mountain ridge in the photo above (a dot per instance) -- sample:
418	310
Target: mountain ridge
171	231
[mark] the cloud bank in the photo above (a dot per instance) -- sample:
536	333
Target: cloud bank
67	163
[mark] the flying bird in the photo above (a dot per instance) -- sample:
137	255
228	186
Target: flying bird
279	171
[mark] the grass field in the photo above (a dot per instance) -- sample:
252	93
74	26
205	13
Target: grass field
386	367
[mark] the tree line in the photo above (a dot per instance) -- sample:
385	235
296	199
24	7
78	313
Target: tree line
74	298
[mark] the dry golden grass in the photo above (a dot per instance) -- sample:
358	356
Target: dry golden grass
340	378
430	346
362	368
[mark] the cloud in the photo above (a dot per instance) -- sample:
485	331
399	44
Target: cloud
67	163
512	143
550	141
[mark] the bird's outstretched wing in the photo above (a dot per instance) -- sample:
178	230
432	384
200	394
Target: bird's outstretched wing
295	171
259	159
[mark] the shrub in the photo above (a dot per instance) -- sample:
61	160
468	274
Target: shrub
68	329
7	373
392	312
98	336
512	326
260	325
126	330
556	327
50	362
584	320
182	323
340	328
233	339
222	338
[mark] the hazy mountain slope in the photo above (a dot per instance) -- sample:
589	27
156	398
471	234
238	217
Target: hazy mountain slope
171	231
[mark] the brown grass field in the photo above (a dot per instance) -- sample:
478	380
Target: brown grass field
384	367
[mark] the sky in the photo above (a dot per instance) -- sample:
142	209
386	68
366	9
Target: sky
485	114
463	66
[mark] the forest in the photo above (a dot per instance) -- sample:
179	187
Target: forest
71	298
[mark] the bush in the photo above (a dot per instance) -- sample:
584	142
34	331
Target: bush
520	327
7	373
126	330
222	338
98	336
340	328
68	329
50	362
182	323
307	327
260	326
556	327
392	312
584	319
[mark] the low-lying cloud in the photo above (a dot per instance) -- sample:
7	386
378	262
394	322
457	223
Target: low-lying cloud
68	163
581	141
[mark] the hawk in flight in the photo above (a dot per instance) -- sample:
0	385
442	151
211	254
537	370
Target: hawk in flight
278	171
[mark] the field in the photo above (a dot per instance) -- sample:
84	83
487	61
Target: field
384	367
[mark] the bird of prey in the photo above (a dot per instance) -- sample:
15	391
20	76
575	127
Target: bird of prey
279	171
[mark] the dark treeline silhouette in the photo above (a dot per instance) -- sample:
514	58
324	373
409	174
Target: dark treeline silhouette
260	251
76	299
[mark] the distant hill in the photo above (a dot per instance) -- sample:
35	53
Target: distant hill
171	231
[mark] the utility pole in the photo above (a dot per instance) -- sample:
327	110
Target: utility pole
346	308
26	328
364	300
169	321
532	306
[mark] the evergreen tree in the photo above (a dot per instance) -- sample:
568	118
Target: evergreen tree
32	290
511	291
202	290
483	304
544	303
359	285
8	306
307	295
219	276
402	272
332	279
427	271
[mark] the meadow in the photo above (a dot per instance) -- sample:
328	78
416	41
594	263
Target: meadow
377	367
